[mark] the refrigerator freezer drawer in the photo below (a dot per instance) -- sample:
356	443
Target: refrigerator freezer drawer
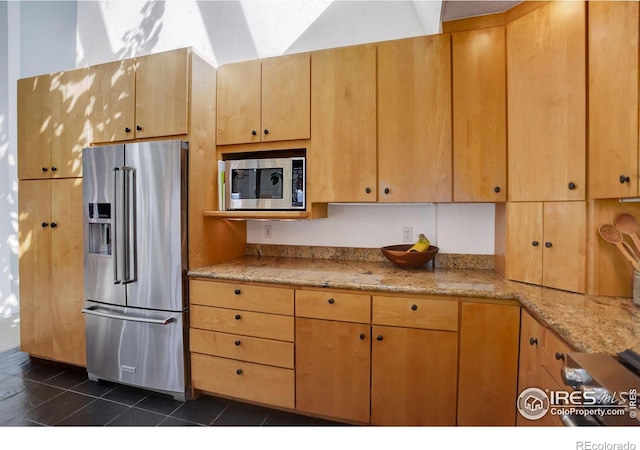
137	347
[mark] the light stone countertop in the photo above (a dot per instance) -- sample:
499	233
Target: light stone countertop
589	323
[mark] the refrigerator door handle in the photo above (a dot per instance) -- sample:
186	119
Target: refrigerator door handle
95	311
117	232
129	225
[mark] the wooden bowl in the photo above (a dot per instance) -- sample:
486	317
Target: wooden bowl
399	255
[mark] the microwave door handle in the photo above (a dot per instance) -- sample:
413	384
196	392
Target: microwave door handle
117	196
129	225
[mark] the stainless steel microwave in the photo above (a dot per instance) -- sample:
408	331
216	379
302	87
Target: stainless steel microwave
265	184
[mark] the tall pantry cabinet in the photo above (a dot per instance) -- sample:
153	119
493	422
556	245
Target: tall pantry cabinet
52	130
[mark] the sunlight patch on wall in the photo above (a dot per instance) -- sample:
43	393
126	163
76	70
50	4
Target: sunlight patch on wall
275	25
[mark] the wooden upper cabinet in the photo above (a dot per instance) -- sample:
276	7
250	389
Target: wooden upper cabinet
546	244
140	98
414	120
546	79
613	99
71	128
261	101
479	115
342	161
34	127
112	88
162	94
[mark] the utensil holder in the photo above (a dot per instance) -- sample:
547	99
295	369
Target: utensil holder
636	287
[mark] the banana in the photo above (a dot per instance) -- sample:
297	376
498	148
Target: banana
422	245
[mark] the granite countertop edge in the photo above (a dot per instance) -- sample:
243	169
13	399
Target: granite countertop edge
591	324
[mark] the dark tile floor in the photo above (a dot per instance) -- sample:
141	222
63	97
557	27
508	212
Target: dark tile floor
35	392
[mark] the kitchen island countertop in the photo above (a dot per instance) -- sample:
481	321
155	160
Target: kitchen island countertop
589	323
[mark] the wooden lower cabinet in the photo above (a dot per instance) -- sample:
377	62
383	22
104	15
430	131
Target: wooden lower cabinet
488	366
333	362
542	355
413	376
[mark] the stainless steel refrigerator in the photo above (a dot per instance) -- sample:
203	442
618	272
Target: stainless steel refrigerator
135	265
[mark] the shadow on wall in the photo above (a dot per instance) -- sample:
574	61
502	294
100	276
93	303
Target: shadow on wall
142	39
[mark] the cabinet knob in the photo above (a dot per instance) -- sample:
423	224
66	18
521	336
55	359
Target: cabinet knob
572	186
379	337
548	244
266	131
414	307
54	169
387	190
624	179
44	169
253	132
127	130
237	316
331	301
559	356
496	189
368	190
53	224
533	341
138	127
535	243
45	224
362	336
239	371
237	291
237	343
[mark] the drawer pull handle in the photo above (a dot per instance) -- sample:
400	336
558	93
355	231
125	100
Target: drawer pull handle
237	291
414	307
331	301
533	341
237	316
237	343
362	336
559	356
379	338
239	371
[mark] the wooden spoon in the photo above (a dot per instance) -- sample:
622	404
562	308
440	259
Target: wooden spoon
629	226
613	236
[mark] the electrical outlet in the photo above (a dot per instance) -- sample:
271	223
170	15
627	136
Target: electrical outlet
407	234
267	231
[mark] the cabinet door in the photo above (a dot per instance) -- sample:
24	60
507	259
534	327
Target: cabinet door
34	237
34	127
414	120
238	103
488	378
162	94
524	242
67	270
333	369
71	126
479	116
286	98
564	251
342	161
413	377
112	90
546	77
613	99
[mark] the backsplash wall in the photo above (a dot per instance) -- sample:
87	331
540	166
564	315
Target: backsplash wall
460	228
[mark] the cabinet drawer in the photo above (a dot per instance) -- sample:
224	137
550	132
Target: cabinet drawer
241	296
328	305
243	380
246	323
553	355
416	313
244	348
